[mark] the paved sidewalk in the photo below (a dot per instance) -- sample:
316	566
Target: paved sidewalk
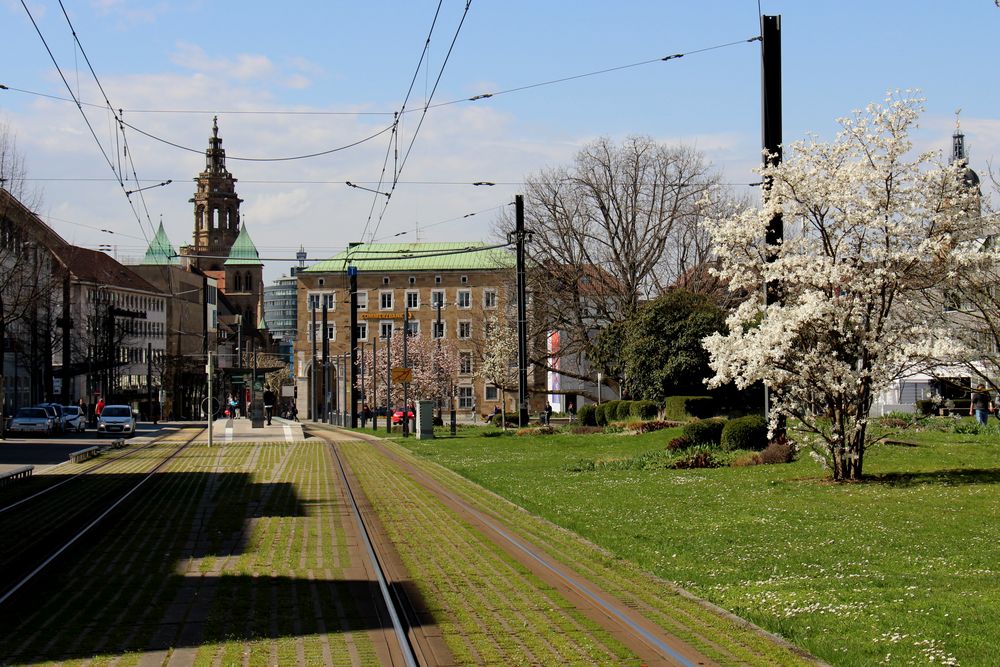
241	430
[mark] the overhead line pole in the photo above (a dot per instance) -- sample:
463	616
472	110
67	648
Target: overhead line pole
522	313
770	52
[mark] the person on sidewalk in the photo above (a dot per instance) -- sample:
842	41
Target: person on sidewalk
268	404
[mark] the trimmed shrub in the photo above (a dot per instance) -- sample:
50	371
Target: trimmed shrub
536	430
680	442
649	426
586	430
623	410
586	415
610	412
705	431
686	407
926	407
510	418
780	451
748	432
601	414
644	409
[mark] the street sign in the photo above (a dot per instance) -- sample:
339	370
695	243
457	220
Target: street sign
258	385
402	375
380	316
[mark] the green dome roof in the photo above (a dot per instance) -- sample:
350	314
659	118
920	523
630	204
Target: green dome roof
243	252
160	251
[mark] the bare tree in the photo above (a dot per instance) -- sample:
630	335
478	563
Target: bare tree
611	230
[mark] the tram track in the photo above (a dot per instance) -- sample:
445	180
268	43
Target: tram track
33	540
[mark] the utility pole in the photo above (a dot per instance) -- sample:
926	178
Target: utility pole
312	407
326	365
388	382
352	273
374	401
149	380
208	399
406	364
770	54
520	238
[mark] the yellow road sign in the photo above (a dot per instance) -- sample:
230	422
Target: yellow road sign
402	375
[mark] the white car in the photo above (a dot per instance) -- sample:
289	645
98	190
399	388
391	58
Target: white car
73	419
32	420
116	419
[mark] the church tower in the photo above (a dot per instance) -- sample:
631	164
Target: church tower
245	281
216	209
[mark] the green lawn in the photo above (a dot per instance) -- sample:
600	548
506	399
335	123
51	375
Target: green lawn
902	569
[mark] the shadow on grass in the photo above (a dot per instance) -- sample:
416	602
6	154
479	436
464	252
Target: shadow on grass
949	477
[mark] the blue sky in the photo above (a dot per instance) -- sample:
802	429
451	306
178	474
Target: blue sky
349	57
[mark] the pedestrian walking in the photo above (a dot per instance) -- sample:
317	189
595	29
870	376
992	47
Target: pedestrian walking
268	404
980	405
548	413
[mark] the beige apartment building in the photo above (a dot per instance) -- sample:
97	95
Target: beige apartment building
472	282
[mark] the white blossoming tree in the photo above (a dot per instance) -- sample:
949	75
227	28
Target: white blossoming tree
498	357
869	228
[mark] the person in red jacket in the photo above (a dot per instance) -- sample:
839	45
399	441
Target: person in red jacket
100	407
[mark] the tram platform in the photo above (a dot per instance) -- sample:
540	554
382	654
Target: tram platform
241	430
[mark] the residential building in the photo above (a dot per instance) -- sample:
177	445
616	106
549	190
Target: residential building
470	281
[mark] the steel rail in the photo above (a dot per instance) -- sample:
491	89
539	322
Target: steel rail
100	464
24	580
390	602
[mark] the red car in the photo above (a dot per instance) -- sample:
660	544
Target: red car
397	416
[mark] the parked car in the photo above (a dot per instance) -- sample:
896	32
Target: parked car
397	416
116	419
32	420
55	412
73	419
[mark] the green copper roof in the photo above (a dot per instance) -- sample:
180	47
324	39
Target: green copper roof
243	252
452	256
160	251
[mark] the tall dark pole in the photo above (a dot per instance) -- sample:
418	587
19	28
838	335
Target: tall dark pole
374	401
388	382
149	380
770	54
522	314
315	370
406	364
65	322
326	365
352	272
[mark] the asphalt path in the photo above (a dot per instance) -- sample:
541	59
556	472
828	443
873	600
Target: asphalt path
45	452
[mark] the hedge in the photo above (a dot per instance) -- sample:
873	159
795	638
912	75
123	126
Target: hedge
745	433
686	407
586	415
705	431
644	409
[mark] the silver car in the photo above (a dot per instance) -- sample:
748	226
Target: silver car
116	419
32	420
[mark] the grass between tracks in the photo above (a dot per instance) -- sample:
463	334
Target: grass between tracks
900	569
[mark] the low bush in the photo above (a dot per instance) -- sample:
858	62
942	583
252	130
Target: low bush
746	461
606	412
965	427
644	409
680	442
780	451
510	418
705	431
495	434
748	432
649	426
536	430
585	430
687	407
586	415
926	407
697	457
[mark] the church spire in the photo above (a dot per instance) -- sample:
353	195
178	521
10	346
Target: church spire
958	153
215	156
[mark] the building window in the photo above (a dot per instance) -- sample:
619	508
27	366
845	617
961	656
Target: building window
465	329
465	363
318	299
239	283
465	279
464	298
413	281
385	329
362	300
412	299
438	329
437	280
490	298
437	298
362	331
331	331
413	328
385	280
385	300
465	401
492	393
